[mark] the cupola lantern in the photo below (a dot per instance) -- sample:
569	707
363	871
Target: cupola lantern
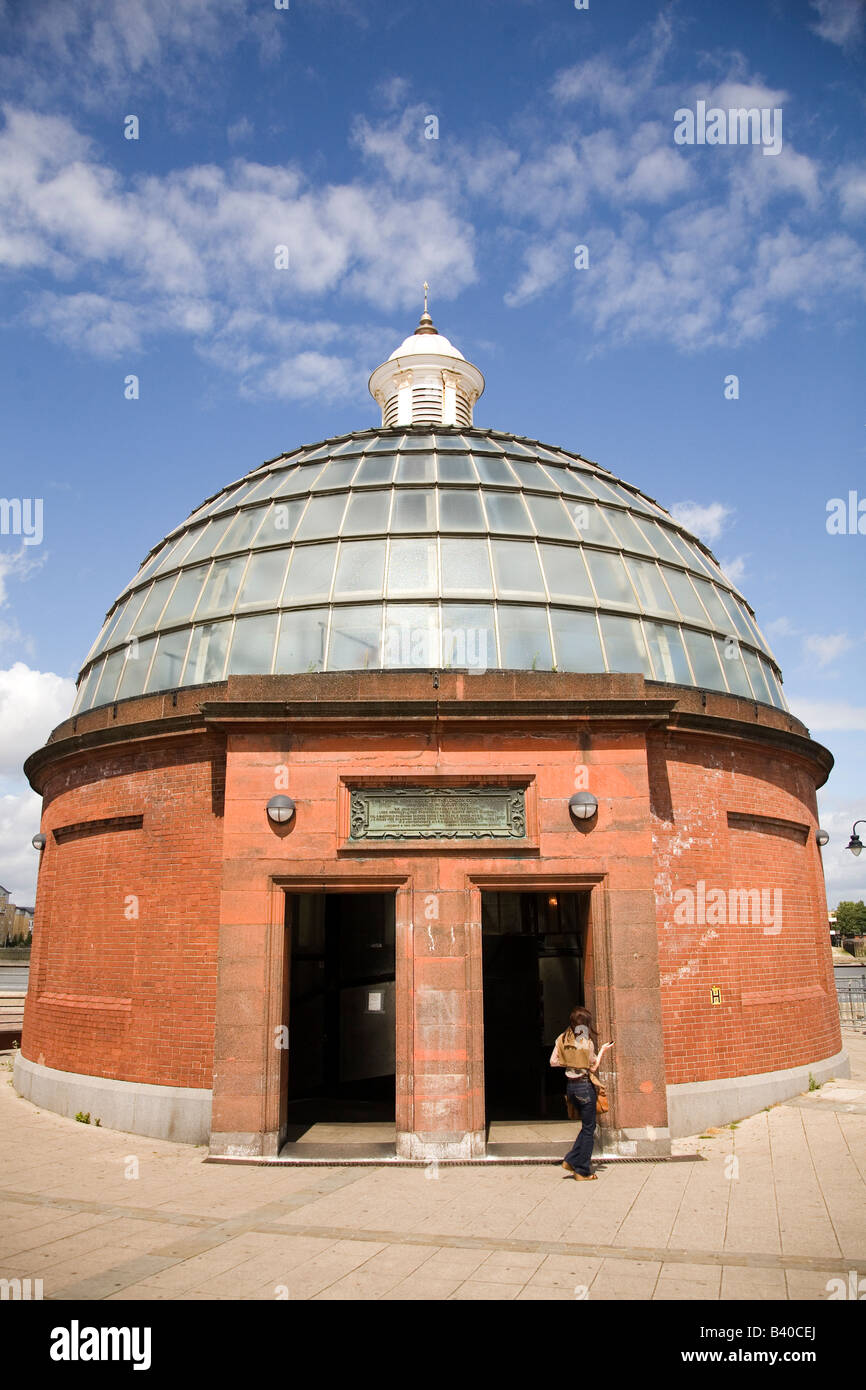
426	381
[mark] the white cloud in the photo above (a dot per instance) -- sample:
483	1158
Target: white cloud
18	565
32	703
102	326
709	272
826	649
101	49
839	21
826	715
646	285
658	174
308	374
844	873
795	269
851	187
781	627
754	182
705	520
240	131
397	149
264	350
735	568
544	181
615	88
596	81
545	263
666	282
393	90
733	94
188	251
19	862
206	230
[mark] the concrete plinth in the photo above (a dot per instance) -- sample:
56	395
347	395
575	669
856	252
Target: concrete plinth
696	1105
180	1113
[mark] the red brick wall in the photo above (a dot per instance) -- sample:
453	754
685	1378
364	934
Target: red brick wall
112	994
135	998
778	1003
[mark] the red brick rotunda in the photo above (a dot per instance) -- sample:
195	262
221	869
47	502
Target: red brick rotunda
390	754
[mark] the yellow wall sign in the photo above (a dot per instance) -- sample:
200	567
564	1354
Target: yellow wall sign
715	995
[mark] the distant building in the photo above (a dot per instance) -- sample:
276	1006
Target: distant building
24	922
16	923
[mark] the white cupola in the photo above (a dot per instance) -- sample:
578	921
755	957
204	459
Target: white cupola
426	381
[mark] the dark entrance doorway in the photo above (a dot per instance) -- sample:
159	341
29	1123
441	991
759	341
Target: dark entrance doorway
342	1020
533	949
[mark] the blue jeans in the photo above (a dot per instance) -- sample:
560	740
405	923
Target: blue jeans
582	1095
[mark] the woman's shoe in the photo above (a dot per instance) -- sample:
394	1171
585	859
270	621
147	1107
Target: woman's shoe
586	1177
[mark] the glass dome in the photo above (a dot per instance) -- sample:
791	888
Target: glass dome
431	547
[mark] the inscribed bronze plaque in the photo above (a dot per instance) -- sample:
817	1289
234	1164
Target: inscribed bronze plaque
438	813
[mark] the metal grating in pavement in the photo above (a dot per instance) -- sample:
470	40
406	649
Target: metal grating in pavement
489	1160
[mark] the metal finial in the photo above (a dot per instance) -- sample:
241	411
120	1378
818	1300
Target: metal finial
425	324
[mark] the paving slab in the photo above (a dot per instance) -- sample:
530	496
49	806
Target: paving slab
569	1272
477	1290
616	1279
753	1284
420	1286
688	1282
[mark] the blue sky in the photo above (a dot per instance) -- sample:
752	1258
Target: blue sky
306	127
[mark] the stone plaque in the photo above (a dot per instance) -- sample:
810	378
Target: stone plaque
438	813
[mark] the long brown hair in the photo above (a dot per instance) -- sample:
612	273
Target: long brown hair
582	1018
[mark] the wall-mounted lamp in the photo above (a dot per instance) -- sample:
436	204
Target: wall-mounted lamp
583	806
855	844
281	809
822	837
39	842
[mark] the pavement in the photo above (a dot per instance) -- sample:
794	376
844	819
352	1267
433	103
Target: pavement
773	1207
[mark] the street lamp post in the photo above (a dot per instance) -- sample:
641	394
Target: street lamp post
855	844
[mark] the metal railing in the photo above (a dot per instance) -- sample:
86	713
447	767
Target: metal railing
852	1002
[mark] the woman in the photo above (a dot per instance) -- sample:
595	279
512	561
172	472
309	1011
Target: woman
575	1051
